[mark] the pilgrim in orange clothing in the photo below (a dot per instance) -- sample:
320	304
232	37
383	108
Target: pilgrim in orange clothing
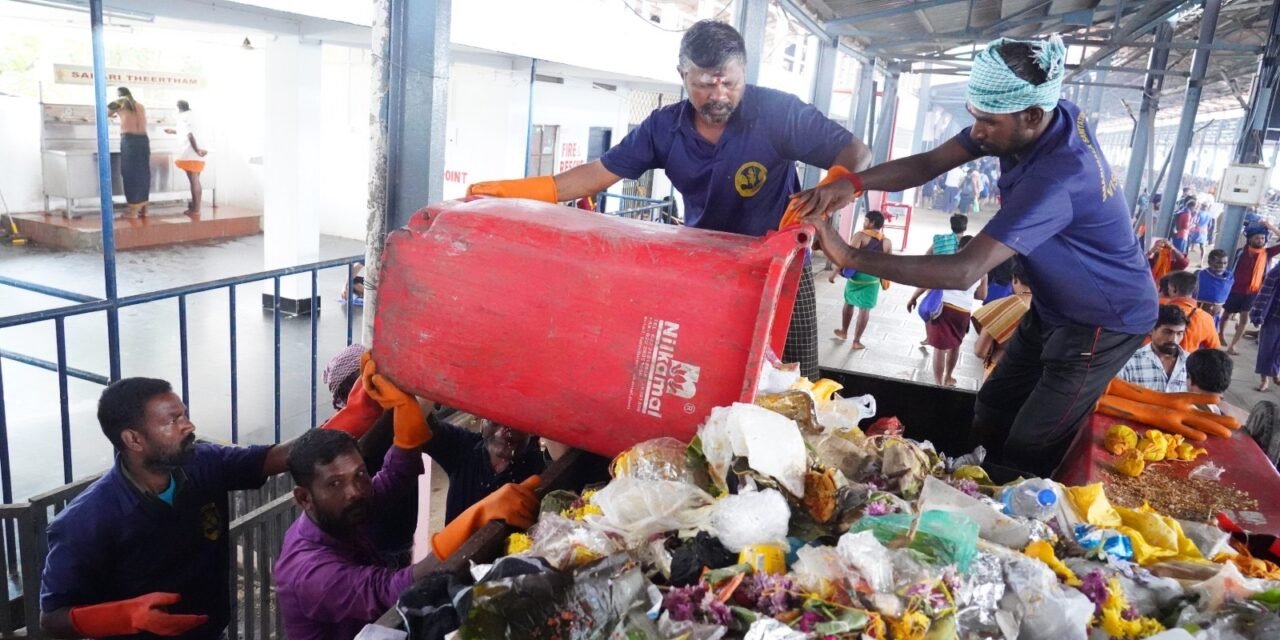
1165	259
1179	289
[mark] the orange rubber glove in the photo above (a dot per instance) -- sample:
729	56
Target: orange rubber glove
135	615
517	504
409	428
358	416
834	174
540	188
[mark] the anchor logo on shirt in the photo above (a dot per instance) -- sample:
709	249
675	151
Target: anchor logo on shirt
749	178
211	522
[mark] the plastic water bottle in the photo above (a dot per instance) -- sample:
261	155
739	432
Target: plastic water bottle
1035	498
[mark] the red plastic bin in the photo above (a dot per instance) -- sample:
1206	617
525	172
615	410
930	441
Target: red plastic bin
595	331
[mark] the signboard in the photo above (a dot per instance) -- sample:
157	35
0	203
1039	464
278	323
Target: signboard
77	74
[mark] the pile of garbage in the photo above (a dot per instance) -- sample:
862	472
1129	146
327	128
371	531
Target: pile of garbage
783	520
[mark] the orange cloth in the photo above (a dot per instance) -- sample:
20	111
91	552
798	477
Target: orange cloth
1260	260
1162	264
790	216
1201	333
194	166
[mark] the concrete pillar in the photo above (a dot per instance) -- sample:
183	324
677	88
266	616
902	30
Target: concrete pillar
751	18
863	96
291	156
823	81
1142	132
1186	126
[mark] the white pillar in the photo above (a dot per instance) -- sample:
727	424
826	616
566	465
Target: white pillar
291	159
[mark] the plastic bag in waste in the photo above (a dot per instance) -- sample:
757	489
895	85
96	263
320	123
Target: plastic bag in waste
978	598
992	525
770	442
797	405
1046	610
819	570
588	603
845	414
1207	471
887	426
637	509
693	555
864	553
566	543
427	607
745	519
657	459
944	538
770	629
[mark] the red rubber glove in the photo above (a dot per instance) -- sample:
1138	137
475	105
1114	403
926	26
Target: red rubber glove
540	188
358	416
517	504
409	428
135	615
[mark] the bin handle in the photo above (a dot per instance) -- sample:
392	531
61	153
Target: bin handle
783	247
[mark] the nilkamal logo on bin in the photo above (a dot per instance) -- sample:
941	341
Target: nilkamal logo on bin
659	373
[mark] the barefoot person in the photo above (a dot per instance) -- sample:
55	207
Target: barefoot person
1250	268
191	160
862	290
135	151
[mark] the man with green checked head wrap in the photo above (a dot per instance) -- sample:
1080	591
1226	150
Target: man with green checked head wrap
1063	213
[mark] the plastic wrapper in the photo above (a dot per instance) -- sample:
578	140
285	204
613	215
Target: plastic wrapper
657	459
703	550
892	463
978	598
845	414
1045	610
1210	540
1207	471
770	629
555	604
820	495
819	570
689	630
797	405
1100	544
942	537
1225	586
887	426
993	525
864	553
566	543
776	377
770	442
637	509
974	458
758	517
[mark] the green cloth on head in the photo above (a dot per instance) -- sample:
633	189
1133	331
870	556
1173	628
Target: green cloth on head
994	88
862	290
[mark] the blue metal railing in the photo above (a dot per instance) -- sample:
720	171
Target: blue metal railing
59	366
640	208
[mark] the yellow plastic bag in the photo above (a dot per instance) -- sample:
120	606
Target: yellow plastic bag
1155	537
1091	503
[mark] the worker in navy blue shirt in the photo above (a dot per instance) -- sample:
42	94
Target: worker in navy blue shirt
1064	214
143	551
730	150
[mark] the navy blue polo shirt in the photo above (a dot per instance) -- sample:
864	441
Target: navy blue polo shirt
1063	210
113	542
465	459
742	183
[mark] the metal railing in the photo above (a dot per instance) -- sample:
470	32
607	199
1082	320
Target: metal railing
259	518
640	208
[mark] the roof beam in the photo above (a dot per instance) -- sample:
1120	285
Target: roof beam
888	13
1152	14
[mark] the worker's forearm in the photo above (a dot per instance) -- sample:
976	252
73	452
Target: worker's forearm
277	459
584	180
898	175
929	272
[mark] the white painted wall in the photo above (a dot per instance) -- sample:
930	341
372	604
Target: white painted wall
234	118
20	181
343	177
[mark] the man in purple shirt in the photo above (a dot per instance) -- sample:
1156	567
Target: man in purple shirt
1063	214
331	579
